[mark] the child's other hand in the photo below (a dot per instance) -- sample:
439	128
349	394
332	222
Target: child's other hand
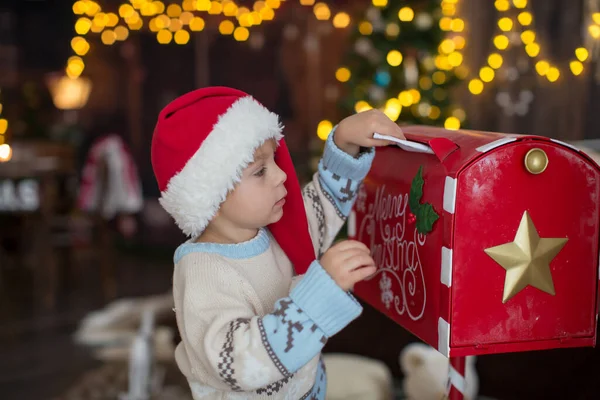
357	130
348	262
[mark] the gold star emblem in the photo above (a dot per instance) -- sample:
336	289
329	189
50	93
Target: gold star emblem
527	259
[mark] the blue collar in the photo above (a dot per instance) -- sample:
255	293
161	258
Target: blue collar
252	248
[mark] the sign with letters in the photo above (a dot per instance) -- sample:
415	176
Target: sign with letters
19	195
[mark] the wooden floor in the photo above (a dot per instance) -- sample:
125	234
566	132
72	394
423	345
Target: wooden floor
38	359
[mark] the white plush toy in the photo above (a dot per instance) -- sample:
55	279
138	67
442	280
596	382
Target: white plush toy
426	373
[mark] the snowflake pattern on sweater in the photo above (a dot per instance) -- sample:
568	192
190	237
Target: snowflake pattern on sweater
245	334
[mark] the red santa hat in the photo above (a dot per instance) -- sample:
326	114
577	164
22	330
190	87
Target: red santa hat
202	142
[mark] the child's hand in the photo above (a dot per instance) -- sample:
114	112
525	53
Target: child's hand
357	130
348	262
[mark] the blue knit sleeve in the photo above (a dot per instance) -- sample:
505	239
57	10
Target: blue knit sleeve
340	174
316	309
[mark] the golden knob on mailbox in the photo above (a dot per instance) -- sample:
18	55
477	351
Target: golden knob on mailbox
536	161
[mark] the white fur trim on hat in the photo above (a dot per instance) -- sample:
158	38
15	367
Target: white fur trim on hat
194	195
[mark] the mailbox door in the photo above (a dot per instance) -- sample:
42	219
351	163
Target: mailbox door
493	194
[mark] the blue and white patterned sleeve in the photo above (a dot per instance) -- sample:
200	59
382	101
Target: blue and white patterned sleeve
329	197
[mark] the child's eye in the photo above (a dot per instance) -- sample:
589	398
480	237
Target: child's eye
260	172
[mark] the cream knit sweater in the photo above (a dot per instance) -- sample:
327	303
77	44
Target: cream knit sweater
250	329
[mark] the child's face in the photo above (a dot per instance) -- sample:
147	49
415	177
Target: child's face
258	199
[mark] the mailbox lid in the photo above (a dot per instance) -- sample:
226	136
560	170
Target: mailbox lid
493	193
468	145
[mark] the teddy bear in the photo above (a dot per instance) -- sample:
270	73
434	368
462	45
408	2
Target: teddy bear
426	373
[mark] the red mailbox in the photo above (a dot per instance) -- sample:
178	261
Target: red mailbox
484	242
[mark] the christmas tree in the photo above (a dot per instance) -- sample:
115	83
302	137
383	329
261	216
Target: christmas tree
404	59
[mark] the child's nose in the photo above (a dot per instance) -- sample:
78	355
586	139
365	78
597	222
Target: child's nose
282	177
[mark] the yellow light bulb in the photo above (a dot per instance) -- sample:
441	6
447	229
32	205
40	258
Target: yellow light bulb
267	14
553	74
520	3
447	46
576	67
203	5
405	98
416	95
394	58
159	7
406	14
241	34
425	83
187	5
495	60
528	37
122	33
455	58
322	11
486	74
164	36
5	152
542	67
174	10
324	129
502	5
434	112
186	17
361	106
446	24
182	36
392	109
457	25
108	37
342	74
175	25
365	28
581	53
525	18
505	24
452	123
83	25
341	20
230	9
459	42
3	126
113	20
274	4
79	7
596	17
197	24
307	2
594	31
475	86
380	3
226	27
532	49
215	8
501	42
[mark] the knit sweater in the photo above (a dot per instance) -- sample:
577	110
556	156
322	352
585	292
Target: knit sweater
250	329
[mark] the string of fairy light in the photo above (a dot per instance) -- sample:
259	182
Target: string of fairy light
517	18
174	22
449	59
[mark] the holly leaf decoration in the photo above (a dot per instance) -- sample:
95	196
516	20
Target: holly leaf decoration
426	216
416	192
424	213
